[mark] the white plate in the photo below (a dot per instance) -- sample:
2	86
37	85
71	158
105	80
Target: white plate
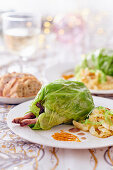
8	100
55	72
45	137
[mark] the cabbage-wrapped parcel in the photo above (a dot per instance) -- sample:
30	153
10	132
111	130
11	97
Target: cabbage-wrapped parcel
100	59
61	102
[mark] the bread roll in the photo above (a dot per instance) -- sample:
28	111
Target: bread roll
19	85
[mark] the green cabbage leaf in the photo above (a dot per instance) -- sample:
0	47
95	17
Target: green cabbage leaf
63	101
100	59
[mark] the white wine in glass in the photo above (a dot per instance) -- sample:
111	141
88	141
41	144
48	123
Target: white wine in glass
21	35
19	41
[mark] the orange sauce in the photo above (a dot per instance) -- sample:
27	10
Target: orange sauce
64	136
107	108
73	130
66	77
81	133
83	138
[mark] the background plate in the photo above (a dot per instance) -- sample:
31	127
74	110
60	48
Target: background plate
8	100
55	72
44	137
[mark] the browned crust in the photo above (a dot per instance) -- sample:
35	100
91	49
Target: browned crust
19	85
27	122
29	115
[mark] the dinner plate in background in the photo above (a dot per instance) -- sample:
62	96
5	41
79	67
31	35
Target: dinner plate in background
9	100
44	137
56	71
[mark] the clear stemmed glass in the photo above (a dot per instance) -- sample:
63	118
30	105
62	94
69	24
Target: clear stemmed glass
21	32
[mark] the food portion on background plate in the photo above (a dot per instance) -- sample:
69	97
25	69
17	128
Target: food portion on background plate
67	102
98	80
19	85
96	70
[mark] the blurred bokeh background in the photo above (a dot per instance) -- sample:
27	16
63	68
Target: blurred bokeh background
68	29
55	6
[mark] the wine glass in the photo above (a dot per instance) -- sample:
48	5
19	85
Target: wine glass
21	32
